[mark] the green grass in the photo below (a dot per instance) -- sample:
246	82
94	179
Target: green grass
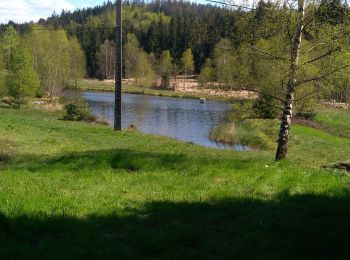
73	190
326	142
335	121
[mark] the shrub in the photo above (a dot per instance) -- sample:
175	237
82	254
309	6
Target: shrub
265	107
77	111
308	115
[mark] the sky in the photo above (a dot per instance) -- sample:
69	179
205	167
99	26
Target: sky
21	11
32	10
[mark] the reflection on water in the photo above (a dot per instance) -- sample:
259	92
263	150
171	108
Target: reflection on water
183	119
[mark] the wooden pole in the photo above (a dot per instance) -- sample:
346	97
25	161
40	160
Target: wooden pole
118	70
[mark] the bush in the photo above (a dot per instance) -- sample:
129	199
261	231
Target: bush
308	115
77	111
265	107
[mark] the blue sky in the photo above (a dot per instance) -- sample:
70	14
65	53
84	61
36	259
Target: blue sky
33	10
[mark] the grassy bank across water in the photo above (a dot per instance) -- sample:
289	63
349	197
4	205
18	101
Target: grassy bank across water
76	190
96	85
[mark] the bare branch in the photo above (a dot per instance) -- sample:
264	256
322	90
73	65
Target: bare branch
271	105
290	37
330	52
263	93
230	4
269	54
307	95
321	76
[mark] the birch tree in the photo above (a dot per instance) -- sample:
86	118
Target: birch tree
165	68
106	60
142	70
77	65
187	63
21	79
223	59
291	57
333	44
2	74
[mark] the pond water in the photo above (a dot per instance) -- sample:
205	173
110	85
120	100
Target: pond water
180	118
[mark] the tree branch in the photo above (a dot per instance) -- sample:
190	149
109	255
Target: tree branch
321	76
263	93
307	95
269	54
288	24
322	56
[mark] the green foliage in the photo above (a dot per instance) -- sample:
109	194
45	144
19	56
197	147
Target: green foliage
105	60
77	111
331	11
77	65
308	115
21	80
265	107
165	68
130	52
2	74
143	72
56	60
137	63
224	62
187	62
207	74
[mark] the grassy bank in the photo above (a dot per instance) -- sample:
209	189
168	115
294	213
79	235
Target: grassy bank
96	85
318	142
74	190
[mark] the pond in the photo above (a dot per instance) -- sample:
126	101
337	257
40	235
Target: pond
180	118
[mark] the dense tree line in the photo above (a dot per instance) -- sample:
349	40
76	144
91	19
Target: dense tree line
158	26
39	62
163	31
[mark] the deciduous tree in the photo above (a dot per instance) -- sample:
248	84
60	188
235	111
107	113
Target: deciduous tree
187	63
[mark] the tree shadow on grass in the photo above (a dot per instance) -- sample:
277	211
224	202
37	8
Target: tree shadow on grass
291	227
128	160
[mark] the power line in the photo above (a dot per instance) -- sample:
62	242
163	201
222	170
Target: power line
230	4
62	29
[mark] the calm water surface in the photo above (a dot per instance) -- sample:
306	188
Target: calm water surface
183	119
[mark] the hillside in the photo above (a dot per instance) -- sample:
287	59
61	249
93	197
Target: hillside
74	190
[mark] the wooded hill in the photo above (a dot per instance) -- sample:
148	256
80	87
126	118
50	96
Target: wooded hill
220	40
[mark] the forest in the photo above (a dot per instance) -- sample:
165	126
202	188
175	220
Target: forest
194	172
157	35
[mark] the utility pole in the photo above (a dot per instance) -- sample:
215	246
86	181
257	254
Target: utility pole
118	70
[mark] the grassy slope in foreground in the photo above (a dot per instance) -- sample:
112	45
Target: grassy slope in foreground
73	190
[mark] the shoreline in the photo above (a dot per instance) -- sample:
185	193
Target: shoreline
108	86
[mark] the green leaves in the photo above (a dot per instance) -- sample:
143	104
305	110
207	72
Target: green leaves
21	80
187	61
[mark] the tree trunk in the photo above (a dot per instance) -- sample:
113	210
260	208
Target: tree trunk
283	137
185	79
